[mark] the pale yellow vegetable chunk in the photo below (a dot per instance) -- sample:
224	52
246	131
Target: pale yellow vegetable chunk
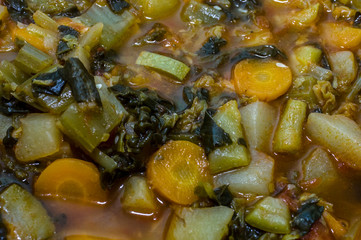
344	67
40	137
24	216
341	135
200	223
138	197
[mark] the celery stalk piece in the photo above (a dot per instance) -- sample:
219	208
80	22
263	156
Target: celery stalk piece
270	215
24	216
162	63
116	27
288	136
11	73
199	13
90	127
31	60
103	160
44	21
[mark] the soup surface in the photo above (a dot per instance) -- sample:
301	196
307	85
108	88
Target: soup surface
180	119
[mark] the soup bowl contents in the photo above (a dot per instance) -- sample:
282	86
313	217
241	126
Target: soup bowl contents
180	119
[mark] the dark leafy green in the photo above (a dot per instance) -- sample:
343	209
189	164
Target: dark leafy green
211	47
102	61
19	11
66	30
224	197
258	52
3	231
8	141
307	215
156	35
49	83
117	6
212	135
71	12
81	82
13	105
357	20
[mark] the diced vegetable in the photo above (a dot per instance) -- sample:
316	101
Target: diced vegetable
354	231
39	138
138	197
256	178
318	171
71	179
24	215
44	21
305	17
156	8
307	215
11	73
92	37
176	169
81	82
164	64
52	7
199	223
199	13
116	27
306	56
288	136
258	120
345	68
302	89
235	155
337	227
340	35
89	128
103	160
271	215
32	60
341	135
264	79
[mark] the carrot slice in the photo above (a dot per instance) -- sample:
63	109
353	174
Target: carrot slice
340	35
176	169
71	179
266	80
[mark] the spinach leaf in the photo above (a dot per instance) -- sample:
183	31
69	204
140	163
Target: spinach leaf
8	141
49	83
307	215
258	52
157	34
102	61
213	136
81	82
117	6
66	30
19	11
13	105
211	47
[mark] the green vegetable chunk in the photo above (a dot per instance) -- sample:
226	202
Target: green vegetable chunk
31	60
200	13
24	215
199	223
270	215
165	64
88	128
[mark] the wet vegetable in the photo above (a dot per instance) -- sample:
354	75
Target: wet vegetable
118	5
212	46
258	52
81	82
49	83
307	215
18	10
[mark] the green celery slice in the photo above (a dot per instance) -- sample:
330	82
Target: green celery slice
88	128
162	63
115	27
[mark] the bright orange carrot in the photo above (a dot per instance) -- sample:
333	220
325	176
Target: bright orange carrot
176	169
71	179
340	35
264	79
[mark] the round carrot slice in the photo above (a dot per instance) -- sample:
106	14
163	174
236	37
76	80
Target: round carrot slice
176	169
264	79
71	179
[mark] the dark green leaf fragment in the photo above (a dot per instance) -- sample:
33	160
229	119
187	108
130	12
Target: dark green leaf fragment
357	20
258	52
49	83
241	141
117	6
102	61
18	10
223	196
307	215
66	30
211	47
81	82
157	34
13	105
71	12
8	141
213	136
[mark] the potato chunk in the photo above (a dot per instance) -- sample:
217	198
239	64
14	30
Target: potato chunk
40	137
199	223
